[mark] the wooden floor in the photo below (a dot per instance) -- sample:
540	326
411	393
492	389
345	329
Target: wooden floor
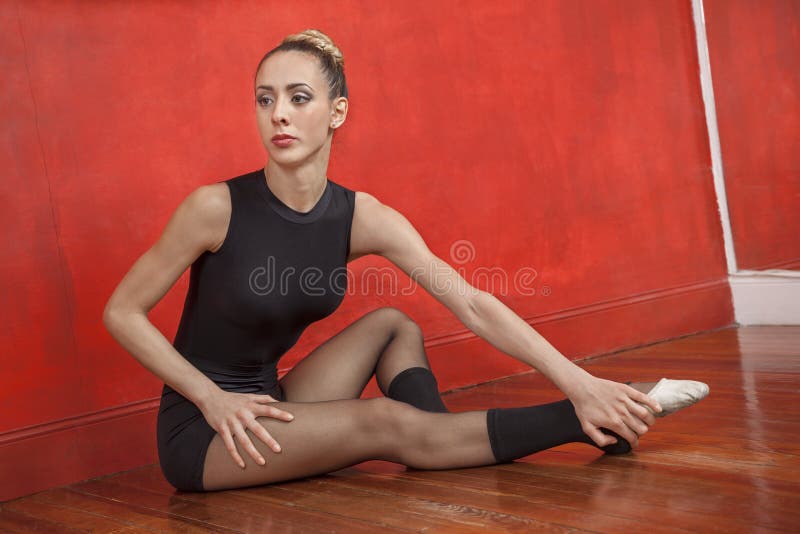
731	463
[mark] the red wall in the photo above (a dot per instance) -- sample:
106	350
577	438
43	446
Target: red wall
755	66
564	137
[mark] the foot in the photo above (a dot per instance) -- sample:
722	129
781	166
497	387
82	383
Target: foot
672	395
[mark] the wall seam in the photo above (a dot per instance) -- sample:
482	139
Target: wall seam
707	88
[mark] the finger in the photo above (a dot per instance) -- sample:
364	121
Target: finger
262	398
640	397
247	443
276	413
636	424
599	437
623	430
227	439
262	434
641	412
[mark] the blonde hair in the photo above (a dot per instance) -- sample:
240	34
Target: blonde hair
322	47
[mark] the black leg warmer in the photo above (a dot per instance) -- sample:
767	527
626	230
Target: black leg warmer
418	387
517	432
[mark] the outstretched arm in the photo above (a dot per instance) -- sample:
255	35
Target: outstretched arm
379	229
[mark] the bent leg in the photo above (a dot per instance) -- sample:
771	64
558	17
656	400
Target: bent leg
331	435
385	342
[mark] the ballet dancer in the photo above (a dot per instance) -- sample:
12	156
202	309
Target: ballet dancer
267	252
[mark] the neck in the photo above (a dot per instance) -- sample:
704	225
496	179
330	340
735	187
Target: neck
299	187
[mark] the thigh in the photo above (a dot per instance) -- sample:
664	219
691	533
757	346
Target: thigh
323	437
341	367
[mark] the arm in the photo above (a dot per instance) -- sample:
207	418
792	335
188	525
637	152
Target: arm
198	224
386	232
146	283
392	236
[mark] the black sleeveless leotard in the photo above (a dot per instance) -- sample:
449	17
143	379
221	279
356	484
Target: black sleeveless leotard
277	271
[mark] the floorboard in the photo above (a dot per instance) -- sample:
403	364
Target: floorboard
730	464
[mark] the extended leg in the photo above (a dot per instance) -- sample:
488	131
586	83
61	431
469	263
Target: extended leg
326	436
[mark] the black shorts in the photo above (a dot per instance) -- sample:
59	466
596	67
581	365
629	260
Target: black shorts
183	437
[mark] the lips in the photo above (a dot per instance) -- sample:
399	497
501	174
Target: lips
283	140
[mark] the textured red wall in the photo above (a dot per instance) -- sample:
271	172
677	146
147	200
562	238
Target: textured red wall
567	138
755	65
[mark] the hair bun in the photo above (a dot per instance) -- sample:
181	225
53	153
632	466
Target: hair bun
321	41
322	47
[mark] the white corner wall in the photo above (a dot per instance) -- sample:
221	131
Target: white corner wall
770	297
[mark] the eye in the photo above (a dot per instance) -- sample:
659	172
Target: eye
303	98
263	100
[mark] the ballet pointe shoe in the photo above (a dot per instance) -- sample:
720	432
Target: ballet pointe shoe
674	395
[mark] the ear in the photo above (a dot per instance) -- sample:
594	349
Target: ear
338	112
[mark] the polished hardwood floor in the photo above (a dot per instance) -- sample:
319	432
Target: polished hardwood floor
731	463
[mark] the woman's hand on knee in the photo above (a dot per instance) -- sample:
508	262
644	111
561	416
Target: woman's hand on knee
231	414
605	404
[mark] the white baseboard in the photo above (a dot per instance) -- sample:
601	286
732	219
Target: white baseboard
770	297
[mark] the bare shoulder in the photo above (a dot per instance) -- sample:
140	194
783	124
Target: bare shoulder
208	210
365	203
199	223
376	227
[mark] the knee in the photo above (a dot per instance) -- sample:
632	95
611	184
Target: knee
390	420
398	320
404	434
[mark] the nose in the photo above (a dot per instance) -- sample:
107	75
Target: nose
280	111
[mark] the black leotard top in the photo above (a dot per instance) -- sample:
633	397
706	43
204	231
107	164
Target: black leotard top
277	271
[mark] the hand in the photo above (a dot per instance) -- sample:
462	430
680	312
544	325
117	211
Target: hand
614	406
230	414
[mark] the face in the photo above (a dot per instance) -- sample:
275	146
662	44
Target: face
292	98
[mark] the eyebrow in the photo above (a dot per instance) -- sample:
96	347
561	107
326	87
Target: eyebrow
288	87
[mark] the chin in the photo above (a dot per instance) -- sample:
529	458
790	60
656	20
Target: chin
286	160
293	156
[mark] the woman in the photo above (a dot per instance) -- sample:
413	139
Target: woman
268	251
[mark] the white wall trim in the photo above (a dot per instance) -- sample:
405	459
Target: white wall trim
766	297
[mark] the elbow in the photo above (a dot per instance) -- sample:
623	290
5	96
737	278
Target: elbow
113	315
117	315
110	315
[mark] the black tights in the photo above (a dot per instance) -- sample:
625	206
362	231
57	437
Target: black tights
333	428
